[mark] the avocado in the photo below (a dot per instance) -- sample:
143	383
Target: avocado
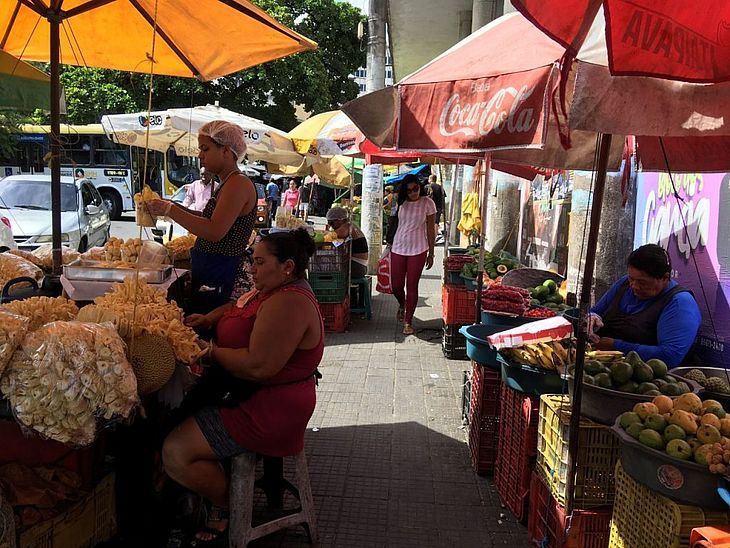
658	366
684	387
642	373
629	386
644	387
603	380
588	379
633	358
593	367
621	372
671	389
669	379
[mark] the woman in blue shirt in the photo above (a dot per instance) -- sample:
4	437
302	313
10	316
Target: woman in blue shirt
646	311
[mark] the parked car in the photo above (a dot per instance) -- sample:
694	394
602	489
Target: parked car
26	202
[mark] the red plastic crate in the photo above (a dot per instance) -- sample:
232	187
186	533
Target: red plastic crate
336	316
517	449
458	304
484	418
547	524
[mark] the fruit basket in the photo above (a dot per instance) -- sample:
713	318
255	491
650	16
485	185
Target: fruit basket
531	380
633	384
708	373
681	480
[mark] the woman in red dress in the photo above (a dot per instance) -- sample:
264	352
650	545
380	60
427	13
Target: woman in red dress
279	363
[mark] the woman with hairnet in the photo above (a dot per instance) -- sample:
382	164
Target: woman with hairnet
224	226
338	219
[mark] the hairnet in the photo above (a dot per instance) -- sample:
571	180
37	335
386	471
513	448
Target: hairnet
226	134
337	214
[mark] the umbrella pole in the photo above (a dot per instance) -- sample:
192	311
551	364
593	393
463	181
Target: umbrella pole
585	299
55	23
482	232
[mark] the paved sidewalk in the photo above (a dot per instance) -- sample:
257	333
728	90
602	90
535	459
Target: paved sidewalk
388	459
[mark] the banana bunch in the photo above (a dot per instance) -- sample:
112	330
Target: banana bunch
550	355
605	355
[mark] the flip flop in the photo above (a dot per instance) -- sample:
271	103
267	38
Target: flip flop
408	329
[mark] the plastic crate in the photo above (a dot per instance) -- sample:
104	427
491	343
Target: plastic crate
330	287
453	343
517	449
329	258
645	519
87	523
548	524
336	316
458	304
598	451
484	418
715	537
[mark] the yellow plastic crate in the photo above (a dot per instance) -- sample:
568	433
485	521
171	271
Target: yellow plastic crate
85	524
643	518
598	451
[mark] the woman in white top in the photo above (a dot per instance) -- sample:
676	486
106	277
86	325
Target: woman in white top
412	247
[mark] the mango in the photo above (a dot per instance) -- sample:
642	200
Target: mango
708	434
684	419
688	402
644	409
663	403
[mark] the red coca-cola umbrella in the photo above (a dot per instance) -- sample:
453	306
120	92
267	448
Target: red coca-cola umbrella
492	92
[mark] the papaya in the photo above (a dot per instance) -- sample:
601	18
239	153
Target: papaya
685	420
663	403
725	426
708	434
703	453
644	409
719	412
688	402
711	403
712	420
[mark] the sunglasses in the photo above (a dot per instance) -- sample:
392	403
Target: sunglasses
413	189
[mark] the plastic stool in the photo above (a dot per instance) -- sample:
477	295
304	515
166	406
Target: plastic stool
243	478
362	305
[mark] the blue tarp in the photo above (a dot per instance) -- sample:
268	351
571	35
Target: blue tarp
395	179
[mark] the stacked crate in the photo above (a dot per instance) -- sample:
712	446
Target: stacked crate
594	487
484	418
458	309
329	276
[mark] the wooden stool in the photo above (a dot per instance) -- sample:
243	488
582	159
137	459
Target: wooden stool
364	288
243	477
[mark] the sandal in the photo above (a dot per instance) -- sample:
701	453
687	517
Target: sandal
218	537
400	314
408	329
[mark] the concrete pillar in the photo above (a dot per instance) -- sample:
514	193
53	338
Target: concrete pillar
375	79
464	23
615	236
484	11
503	218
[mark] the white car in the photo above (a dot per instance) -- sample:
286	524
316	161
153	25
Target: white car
25	200
6	235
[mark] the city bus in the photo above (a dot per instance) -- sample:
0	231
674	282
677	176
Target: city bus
116	170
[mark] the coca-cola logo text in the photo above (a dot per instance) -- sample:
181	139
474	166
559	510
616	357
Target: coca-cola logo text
502	112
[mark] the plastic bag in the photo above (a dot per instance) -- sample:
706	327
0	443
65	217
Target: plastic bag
65	375
43	310
12	266
12	330
44	256
384	270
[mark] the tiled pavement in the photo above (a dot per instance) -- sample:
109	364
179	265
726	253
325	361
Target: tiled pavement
388	460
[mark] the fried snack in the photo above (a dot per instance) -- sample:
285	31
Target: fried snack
44	256
94	254
12	266
42	310
180	247
66	374
117	249
152	315
13	328
144	218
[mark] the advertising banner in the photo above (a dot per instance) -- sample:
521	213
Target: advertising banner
694	227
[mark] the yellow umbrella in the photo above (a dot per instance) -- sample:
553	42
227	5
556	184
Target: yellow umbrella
204	39
330	171
327	134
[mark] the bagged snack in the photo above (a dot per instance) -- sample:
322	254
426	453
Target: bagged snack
12	266
65	375
144	217
12	330
42	310
44	256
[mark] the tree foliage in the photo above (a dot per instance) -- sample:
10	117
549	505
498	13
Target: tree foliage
316	80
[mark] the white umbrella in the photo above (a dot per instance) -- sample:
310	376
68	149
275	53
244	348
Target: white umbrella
178	127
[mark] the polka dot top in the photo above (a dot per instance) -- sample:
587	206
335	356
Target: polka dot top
236	239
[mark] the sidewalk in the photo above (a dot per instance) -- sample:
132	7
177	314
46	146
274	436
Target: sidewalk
388	460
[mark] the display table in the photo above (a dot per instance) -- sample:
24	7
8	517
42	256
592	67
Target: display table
78	290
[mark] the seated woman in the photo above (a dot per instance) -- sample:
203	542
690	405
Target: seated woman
338	220
279	366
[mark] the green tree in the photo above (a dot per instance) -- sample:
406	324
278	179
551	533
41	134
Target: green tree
316	80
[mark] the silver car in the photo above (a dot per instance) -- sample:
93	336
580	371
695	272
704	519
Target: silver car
25	200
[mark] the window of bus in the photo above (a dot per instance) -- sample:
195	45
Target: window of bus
76	150
107	153
181	170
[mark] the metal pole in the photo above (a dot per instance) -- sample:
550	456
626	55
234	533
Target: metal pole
55	22
483	196
585	299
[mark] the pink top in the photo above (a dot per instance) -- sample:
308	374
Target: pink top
291	198
197	195
411	237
